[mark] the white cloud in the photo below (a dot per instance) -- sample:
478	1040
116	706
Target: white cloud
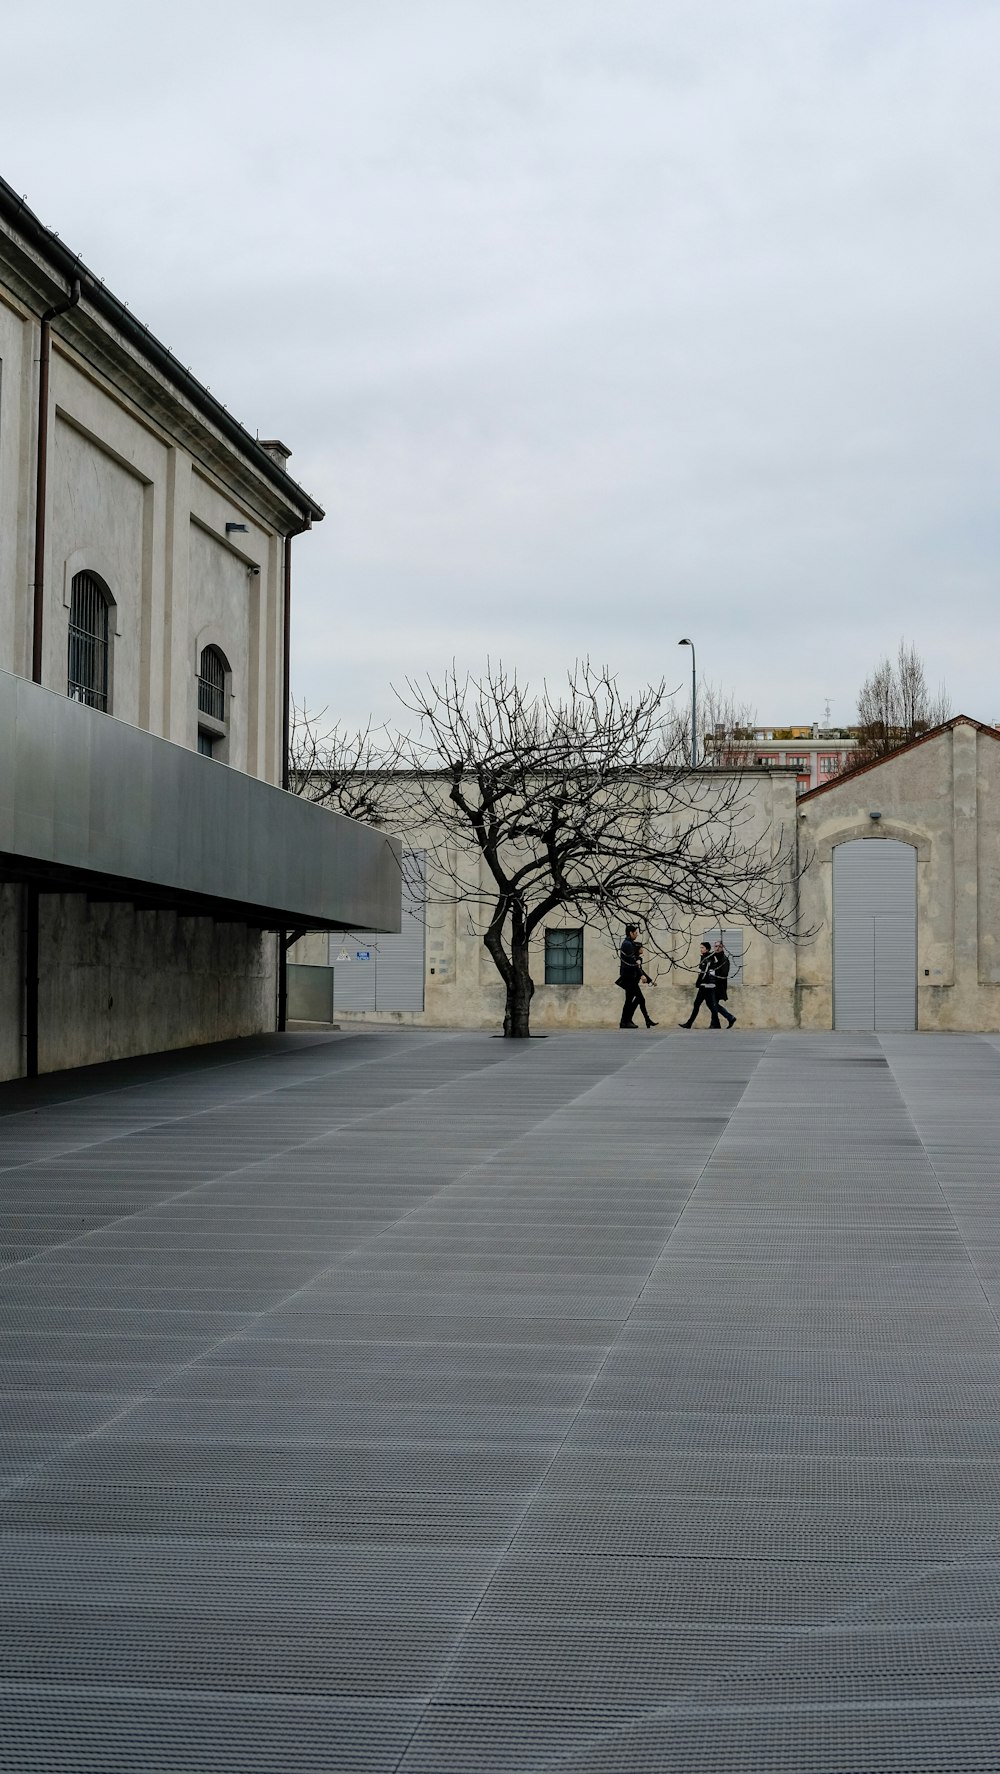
590	326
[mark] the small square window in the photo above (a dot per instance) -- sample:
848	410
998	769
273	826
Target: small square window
564	957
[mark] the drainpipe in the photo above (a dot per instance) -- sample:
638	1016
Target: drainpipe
286	667
286	696
41	477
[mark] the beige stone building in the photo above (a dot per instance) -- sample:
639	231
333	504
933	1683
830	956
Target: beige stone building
150	857
437	971
899	903
931	812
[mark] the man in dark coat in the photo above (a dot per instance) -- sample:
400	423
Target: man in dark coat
705	989
720	961
630	975
644	980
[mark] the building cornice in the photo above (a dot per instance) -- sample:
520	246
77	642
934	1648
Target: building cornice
103	331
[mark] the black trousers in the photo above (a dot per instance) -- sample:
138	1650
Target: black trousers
634	1001
705	997
633	998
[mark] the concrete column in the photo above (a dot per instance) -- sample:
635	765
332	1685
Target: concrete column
178	685
964	856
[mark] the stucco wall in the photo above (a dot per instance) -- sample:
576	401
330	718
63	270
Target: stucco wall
126	501
463	989
16	434
943	797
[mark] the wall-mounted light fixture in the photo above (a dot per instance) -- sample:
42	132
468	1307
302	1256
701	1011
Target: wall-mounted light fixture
236	529
874	815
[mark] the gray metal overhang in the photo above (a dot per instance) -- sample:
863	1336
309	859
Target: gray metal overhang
91	804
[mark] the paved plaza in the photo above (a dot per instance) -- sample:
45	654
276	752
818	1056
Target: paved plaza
421	1402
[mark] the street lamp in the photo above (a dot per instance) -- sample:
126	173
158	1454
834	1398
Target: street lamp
694	700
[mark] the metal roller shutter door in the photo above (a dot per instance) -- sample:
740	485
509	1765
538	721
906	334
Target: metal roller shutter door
393	977
399	963
875	935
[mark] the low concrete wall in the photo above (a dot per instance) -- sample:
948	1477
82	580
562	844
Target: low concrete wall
114	982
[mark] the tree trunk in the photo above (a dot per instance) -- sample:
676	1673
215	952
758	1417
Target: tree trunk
520	990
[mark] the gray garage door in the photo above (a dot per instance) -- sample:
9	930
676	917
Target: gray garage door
875	935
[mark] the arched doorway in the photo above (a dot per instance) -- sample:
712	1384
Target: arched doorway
875	935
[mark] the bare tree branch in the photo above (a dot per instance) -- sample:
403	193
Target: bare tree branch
351	772
582	803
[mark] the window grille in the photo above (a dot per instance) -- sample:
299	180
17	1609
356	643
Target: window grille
212	684
564	957
87	675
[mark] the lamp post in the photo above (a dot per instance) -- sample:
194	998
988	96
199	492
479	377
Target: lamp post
694	700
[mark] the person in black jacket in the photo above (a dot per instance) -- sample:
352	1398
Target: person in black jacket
631	978
720	961
705	989
644	979
630	975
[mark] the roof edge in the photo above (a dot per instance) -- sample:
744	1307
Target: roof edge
16	213
909	745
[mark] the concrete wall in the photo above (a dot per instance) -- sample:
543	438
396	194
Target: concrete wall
114	981
11	976
462	987
16	445
128	499
141	486
943	797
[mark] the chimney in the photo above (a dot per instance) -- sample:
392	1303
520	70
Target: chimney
277	451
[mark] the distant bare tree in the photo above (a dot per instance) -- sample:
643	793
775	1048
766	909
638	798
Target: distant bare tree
352	772
725	729
895	705
540	804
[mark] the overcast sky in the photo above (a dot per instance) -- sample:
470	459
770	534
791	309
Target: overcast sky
590	325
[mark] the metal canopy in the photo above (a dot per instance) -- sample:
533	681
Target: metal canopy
91	804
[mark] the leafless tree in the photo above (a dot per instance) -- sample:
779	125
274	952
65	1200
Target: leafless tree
534	804
352	772
895	705
725	729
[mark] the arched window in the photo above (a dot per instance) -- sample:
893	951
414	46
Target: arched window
88	673
212	710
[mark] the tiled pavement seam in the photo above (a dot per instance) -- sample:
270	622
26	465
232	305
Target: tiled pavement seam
649	1065
287	1150
704	1723
547	1207
764	1541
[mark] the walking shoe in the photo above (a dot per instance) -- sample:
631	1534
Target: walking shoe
650	1024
